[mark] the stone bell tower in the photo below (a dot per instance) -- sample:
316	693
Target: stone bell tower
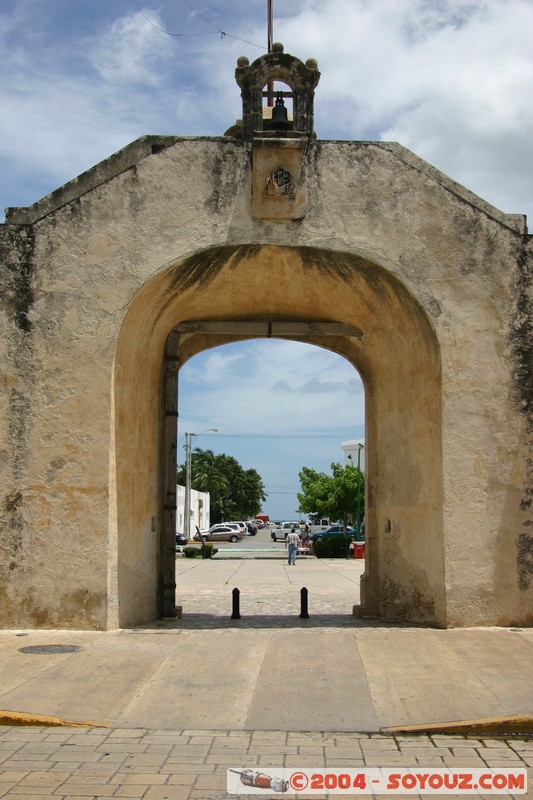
279	143
277	66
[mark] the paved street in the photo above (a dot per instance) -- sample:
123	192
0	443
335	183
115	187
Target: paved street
171	705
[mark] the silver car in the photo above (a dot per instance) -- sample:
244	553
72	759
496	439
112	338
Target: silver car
219	533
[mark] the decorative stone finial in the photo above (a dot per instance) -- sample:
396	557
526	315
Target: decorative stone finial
242	61
277	47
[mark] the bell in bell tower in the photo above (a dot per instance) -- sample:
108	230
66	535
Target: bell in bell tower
279	121
280	140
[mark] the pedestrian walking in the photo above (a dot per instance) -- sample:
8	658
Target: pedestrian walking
291	542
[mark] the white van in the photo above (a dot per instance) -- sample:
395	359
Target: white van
319	525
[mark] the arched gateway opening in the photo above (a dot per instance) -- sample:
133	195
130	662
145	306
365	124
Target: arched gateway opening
336	300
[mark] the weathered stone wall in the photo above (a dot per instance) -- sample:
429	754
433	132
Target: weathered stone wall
97	275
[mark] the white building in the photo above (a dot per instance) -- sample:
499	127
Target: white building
200	510
351	450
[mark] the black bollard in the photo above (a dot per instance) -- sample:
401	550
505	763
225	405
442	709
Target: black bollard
235	610
304	594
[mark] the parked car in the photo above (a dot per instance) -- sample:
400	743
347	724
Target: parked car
251	528
259	523
284	529
219	533
239	526
181	539
333	530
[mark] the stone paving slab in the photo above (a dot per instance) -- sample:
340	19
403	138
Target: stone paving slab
311	676
188	764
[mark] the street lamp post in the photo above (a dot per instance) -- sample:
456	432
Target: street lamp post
187	504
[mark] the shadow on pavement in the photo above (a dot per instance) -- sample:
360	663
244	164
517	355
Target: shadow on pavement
270	621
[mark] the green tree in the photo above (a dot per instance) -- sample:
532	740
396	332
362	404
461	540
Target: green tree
235	493
333	496
245	492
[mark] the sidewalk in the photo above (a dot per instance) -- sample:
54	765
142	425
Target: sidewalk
64	763
177	702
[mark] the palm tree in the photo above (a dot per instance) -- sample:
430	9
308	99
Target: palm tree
206	476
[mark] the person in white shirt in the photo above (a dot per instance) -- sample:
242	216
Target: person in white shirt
292	541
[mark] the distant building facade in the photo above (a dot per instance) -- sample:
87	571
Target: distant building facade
354	453
200	510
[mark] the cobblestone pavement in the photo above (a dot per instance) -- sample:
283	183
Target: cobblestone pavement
279	607
278	611
270	597
75	763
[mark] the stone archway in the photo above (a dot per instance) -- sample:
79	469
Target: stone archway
173	230
388	338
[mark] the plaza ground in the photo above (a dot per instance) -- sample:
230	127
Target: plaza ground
171	705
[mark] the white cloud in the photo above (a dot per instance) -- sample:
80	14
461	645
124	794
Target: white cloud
239	389
60	119
213	369
131	50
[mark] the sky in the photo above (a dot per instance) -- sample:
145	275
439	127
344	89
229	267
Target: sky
278	406
452	80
